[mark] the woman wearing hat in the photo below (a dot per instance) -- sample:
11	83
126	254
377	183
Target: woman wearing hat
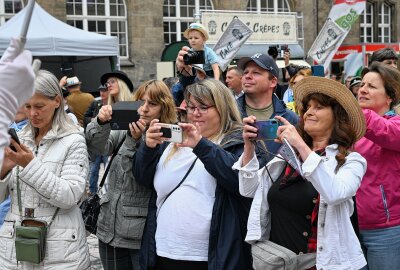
378	199
308	210
119	86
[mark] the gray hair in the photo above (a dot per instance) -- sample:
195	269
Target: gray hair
46	84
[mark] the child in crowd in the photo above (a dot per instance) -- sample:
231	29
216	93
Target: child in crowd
197	36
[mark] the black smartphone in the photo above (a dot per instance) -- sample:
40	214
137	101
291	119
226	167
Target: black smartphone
14	136
124	113
266	130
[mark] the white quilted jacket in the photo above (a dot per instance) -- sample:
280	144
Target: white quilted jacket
56	177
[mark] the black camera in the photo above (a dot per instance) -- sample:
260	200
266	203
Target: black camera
194	57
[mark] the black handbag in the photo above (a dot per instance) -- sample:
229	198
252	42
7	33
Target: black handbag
90	207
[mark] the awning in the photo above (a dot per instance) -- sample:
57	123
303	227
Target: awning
171	51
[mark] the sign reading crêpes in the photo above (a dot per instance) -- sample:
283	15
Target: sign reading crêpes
267	27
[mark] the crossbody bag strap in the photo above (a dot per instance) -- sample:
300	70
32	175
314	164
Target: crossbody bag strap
20	201
103	179
180	183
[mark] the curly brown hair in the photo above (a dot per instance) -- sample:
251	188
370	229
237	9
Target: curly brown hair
343	135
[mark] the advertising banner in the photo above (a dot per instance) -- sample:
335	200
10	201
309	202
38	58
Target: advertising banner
268	28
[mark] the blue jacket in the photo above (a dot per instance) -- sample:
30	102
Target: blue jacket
227	248
279	109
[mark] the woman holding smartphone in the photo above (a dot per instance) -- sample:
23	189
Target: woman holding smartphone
308	209
124	205
200	222
46	177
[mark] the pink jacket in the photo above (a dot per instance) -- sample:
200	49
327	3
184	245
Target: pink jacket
378	198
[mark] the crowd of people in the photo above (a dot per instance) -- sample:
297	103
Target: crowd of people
204	201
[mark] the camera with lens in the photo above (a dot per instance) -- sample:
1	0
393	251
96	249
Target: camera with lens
194	57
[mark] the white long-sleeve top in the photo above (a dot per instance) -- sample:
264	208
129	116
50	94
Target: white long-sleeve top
337	244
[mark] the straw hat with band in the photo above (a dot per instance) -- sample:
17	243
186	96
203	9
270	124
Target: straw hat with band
198	27
337	91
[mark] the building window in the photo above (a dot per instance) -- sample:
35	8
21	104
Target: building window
268	6
178	14
107	17
375	23
8	8
384	17
367	22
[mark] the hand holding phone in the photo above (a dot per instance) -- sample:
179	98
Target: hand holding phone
124	113
267	129
14	136
284	48
171	133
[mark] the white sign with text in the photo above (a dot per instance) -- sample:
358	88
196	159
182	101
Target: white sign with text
267	27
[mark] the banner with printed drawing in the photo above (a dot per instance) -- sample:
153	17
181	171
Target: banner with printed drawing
230	42
342	15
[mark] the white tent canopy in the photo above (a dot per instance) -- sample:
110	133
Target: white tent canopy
48	36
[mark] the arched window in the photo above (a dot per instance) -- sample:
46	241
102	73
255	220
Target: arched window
106	17
268	6
179	14
8	8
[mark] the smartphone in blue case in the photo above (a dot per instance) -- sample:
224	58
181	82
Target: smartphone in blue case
266	130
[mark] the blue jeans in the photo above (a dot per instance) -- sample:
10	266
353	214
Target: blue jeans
381	248
4	207
115	258
94	172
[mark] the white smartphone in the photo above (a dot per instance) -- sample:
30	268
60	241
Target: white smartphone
172	133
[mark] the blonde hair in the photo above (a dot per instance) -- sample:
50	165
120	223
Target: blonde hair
159	93
124	94
212	92
305	72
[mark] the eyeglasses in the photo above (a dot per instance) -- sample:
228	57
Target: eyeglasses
110	82
203	109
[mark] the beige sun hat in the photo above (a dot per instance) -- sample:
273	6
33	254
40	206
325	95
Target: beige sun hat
198	27
337	91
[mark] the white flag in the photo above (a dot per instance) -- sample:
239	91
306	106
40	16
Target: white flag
325	46
353	64
342	15
230	42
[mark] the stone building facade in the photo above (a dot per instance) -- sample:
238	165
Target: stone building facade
146	25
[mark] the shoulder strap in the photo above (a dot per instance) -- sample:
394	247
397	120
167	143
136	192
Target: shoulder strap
180	183
354	219
20	201
103	179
